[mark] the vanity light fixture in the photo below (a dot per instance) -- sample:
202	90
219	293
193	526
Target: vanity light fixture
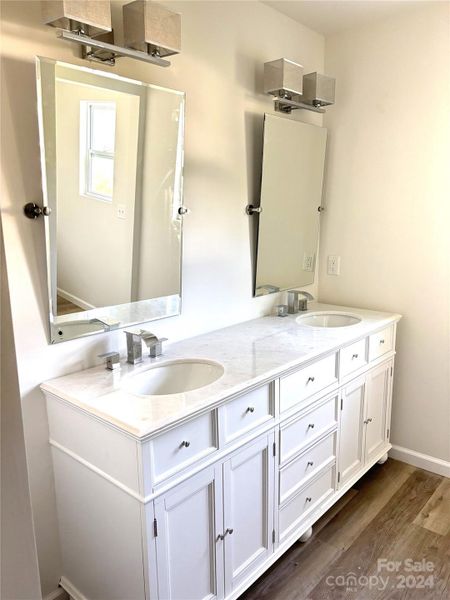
152	28
88	23
284	79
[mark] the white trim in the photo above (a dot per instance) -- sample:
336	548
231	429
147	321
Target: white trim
71	589
58	594
422	461
75	300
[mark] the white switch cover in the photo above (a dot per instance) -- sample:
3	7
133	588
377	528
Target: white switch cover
334	265
121	211
308	262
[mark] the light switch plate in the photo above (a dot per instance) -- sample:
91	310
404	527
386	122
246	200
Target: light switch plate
308	262
334	265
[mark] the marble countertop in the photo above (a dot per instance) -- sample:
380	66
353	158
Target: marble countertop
251	352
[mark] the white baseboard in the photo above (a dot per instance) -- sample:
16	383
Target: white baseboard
423	461
75	300
73	592
58	594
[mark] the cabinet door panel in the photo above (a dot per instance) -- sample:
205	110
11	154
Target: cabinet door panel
378	388
189	553
248	510
351	432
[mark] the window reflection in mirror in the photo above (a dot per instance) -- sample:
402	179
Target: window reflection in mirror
291	194
112	151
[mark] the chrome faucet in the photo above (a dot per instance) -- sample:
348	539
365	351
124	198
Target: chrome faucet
297	304
134	345
153	343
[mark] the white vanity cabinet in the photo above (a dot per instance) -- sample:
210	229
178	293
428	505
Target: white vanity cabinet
200	508
215	529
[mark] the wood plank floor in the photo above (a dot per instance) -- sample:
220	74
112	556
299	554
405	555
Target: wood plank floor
66	307
397	514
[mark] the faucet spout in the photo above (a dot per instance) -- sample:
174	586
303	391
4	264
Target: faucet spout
297	304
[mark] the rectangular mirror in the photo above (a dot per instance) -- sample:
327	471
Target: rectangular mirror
291	194
112	171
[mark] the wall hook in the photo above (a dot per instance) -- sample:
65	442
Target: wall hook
33	211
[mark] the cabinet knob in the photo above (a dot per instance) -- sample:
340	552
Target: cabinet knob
370	420
308	499
251	409
310	379
228	530
381	341
220	537
311	426
185	444
355	356
310	463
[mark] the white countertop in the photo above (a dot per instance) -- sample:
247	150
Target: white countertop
251	352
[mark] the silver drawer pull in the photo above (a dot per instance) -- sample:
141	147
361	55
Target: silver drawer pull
310	379
311	426
310	463
308	499
185	444
230	531
220	537
381	341
355	356
250	409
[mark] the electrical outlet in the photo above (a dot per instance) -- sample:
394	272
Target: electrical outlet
121	211
334	265
308	262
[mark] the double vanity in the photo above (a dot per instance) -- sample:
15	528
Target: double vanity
186	476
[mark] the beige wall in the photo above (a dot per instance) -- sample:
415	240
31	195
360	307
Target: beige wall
224	47
387	203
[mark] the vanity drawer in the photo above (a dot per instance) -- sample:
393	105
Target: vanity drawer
301	505
295	474
183	445
307	381
381	342
301	431
242	415
352	357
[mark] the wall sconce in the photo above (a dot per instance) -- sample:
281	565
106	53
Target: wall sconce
87	17
88	23
284	79
152	28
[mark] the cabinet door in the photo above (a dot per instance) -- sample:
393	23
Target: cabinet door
248	510
351	432
189	551
377	405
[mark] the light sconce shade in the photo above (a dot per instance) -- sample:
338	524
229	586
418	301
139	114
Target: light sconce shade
283	78
88	17
150	27
318	89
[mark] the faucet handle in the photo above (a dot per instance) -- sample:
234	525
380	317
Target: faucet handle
112	360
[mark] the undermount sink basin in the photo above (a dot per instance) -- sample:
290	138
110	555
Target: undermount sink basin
174	377
328	319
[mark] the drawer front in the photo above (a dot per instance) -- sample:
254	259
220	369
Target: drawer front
305	502
295	474
246	413
183	445
381	342
298	433
308	381
352	357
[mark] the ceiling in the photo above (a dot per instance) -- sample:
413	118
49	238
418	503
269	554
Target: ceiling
331	16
